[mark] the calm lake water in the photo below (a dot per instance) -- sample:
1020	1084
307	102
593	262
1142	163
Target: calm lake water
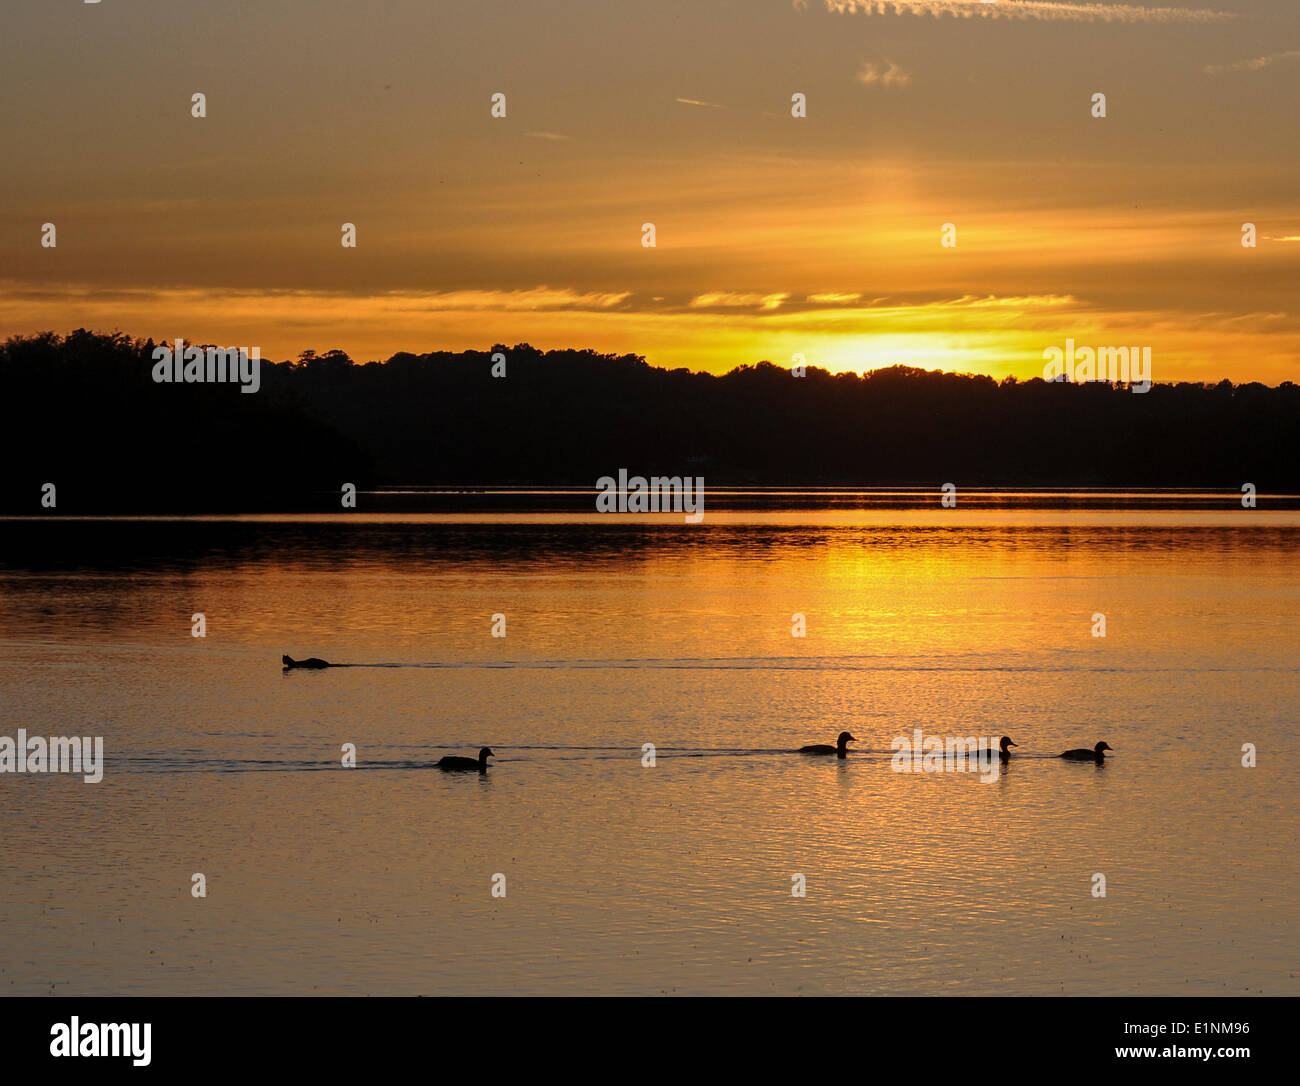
676	878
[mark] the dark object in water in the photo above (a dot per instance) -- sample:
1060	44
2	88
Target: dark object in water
1083	754
453	762
1003	753
313	662
839	750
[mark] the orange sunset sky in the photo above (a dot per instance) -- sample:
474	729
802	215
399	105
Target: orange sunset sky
776	236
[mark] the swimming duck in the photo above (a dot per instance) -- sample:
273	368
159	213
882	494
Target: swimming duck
314	662
1083	754
839	750
1003	753
479	763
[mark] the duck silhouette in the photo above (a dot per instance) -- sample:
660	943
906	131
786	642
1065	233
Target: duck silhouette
453	762
840	749
1083	754
312	663
1003	753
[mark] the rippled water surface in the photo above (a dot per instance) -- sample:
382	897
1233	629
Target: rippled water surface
623	878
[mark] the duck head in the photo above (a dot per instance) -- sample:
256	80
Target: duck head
484	754
287	660
1102	746
1007	742
844	739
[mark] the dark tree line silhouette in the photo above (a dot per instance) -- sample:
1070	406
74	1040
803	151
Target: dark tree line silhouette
84	413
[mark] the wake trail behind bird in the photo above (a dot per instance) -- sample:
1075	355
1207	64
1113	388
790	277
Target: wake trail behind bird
770	663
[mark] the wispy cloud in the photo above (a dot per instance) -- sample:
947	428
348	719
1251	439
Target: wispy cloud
509	300
697	102
1251	65
1039	10
534	299
731	300
1015	301
841	306
893	76
833	299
